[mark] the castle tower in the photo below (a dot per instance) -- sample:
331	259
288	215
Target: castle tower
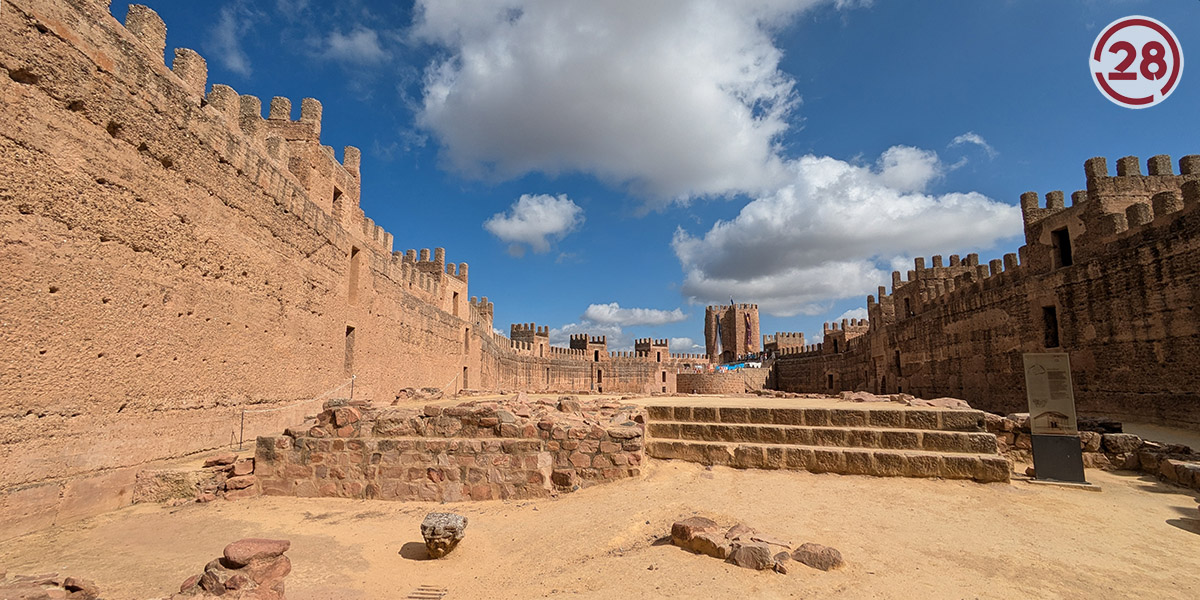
538	338
596	347
655	350
731	332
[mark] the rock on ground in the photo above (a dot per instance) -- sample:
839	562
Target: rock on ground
818	556
442	532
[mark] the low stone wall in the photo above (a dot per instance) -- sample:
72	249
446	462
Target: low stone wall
1106	447
729	382
472	451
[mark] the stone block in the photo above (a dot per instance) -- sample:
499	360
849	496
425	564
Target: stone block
962	420
845	417
885	418
1119	443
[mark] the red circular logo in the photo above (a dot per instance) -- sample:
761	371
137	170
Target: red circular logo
1136	62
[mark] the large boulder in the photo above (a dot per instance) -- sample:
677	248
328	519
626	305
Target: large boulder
442	532
818	556
251	568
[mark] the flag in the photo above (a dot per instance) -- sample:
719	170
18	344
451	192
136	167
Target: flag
749	334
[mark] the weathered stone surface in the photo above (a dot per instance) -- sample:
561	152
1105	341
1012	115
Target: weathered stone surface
241	552
442	532
1089	441
684	530
244	466
752	555
220	460
818	556
710	543
1119	443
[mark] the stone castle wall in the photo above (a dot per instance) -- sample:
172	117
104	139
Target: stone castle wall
172	258
1123	307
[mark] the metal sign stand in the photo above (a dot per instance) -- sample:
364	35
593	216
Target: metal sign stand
1057	452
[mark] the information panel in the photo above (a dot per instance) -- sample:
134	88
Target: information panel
1051	395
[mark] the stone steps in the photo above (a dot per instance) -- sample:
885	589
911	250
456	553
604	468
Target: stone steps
839	437
884	418
983	468
880	441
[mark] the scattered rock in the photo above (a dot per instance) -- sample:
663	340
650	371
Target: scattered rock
442	532
818	556
1031	472
252	568
752	555
1089	441
242	552
683	531
569	404
781	561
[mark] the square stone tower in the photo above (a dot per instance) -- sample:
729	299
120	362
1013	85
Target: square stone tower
731	332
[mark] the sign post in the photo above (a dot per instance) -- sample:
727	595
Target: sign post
1057	455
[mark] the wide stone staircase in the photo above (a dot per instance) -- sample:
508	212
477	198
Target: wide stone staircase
880	441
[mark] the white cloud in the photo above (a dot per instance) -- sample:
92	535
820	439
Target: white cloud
676	98
360	46
831	232
971	137
617	338
225	39
854	313
908	169
685	345
535	220
613	314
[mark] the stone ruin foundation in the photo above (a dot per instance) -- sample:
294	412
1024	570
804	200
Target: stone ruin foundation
481	450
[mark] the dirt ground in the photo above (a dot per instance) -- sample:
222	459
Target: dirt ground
902	538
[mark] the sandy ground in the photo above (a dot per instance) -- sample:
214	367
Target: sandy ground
902	538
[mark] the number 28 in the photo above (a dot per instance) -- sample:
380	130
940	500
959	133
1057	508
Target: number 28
1154	64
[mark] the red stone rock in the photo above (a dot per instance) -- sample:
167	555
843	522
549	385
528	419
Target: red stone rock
239	483
241	552
220	460
243	467
684	530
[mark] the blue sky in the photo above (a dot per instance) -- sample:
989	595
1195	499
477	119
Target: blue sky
612	167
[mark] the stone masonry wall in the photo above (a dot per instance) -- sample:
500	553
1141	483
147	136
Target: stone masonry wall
170	258
472	451
1124	307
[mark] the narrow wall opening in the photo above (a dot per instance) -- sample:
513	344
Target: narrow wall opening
349	359
1050	324
464	378
1061	239
454	304
355	264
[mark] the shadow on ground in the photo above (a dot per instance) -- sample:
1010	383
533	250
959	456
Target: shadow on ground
415	551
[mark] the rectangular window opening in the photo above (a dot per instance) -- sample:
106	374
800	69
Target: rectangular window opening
1061	239
1050	322
454	303
464	378
355	264
830	379
349	360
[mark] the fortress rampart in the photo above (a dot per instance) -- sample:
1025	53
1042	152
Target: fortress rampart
1110	279
175	262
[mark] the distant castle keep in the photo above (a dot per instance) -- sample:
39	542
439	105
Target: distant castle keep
730	332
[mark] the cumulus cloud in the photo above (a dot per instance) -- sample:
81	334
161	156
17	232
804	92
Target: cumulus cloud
675	98
535	220
685	345
831	231
225	39
616	337
360	46
613	314
971	137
